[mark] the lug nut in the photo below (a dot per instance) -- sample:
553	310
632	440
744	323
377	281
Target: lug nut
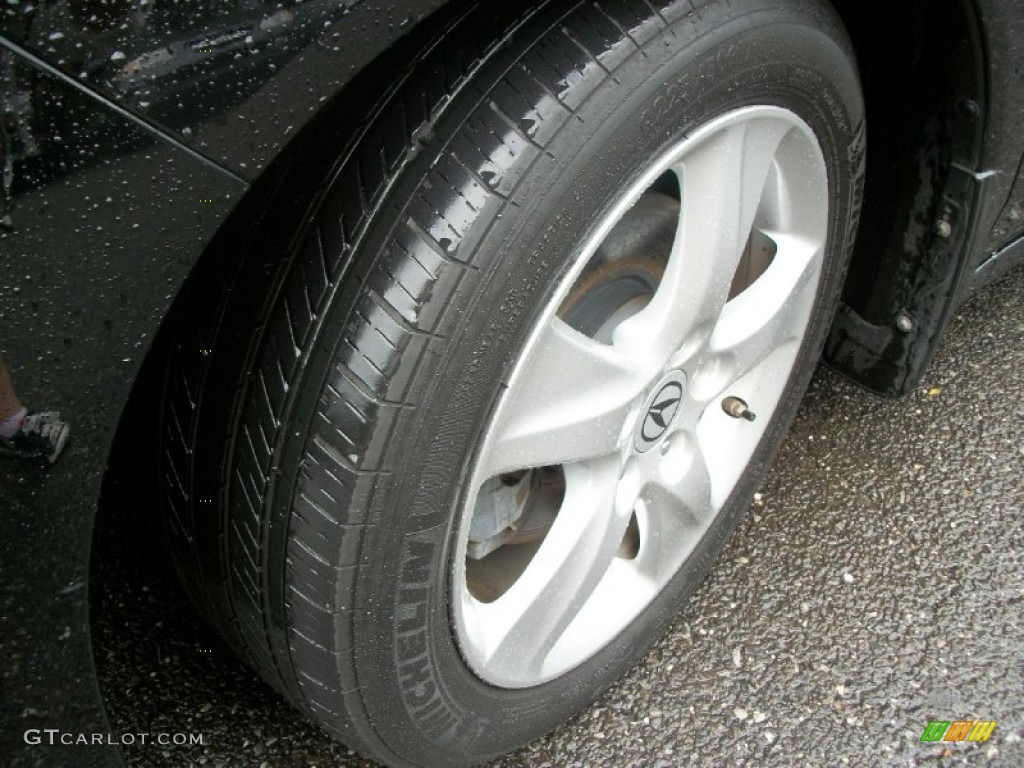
738	409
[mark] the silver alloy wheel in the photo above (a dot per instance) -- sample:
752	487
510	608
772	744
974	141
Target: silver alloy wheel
637	426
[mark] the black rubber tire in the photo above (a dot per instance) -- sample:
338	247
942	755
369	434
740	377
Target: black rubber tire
315	452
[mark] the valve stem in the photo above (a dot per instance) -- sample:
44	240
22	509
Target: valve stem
737	408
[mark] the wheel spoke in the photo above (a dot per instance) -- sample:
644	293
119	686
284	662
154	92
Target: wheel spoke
677	503
773	310
681	496
525	623
721	182
568	403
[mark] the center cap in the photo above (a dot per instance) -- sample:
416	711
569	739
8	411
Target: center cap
660	410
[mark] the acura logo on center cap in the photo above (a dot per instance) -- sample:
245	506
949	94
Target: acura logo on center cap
660	413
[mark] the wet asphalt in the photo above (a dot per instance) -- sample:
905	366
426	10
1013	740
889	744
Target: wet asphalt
877	584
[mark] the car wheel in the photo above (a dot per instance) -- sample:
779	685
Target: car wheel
461	463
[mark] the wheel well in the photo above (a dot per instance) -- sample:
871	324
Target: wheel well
923	73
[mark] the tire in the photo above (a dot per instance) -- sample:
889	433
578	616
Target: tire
365	464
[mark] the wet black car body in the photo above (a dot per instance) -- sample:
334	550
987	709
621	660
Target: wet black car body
141	139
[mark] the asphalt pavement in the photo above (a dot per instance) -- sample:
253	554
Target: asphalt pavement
877	585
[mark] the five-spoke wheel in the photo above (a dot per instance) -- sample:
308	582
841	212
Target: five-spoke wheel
615	445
